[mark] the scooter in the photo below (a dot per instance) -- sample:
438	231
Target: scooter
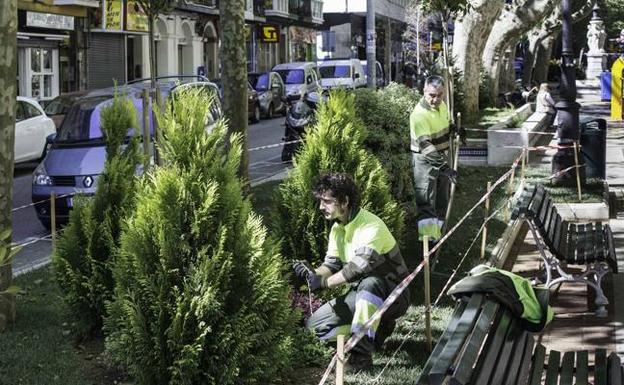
299	116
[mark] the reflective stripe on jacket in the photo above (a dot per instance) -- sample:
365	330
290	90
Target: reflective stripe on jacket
429	127
364	247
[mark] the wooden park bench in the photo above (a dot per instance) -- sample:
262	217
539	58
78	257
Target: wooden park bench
589	244
485	344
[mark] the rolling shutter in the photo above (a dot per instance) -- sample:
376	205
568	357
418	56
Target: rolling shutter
107	60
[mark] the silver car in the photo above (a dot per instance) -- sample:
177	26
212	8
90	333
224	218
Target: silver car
271	92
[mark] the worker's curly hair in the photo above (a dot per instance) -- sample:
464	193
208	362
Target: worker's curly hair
340	185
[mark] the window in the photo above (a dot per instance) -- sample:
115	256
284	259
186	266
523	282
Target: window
38	73
19	111
30	111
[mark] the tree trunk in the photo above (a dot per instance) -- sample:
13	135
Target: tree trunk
471	32
542	59
8	68
507	80
513	22
234	75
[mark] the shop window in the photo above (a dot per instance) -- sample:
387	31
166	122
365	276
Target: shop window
39	77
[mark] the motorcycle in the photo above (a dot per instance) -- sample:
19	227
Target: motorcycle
300	115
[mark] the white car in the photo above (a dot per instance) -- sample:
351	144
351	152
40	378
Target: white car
32	127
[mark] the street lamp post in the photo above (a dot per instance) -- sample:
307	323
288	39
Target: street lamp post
567	107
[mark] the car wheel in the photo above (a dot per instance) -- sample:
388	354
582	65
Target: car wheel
271	112
256	114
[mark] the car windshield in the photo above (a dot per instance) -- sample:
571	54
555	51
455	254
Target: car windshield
339	71
82	122
57	106
260	83
291	76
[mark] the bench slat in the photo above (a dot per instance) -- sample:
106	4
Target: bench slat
523	202
492	348
567	367
600	242
545	214
505	358
615	372
453	347
459	309
536	202
582	367
590	242
581	233
537	366
552	373
600	375
464	369
525	367
612	258
555	228
572	240
513	371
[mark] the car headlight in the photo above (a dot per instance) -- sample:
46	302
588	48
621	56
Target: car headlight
41	177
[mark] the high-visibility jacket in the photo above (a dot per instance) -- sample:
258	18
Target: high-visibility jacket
364	247
429	128
513	291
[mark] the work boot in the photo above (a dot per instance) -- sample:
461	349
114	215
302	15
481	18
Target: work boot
358	362
385	330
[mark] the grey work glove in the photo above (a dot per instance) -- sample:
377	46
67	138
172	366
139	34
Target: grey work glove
316	282
434	158
450	174
302	269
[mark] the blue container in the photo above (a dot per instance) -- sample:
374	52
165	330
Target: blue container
605	86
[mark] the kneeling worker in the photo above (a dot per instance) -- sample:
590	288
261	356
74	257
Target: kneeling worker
362	253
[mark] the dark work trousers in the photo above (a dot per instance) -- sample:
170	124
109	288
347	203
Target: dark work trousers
432	195
348	313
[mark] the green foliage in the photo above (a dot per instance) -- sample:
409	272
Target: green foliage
87	247
485	96
335	143
200	296
385	113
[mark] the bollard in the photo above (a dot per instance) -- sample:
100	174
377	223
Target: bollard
341	360
53	219
486	214
427	293
578	170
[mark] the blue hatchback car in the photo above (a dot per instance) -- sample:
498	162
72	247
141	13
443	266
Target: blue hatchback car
77	153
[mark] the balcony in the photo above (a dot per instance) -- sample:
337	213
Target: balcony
254	9
277	8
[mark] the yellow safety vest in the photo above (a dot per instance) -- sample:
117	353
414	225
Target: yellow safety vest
429	125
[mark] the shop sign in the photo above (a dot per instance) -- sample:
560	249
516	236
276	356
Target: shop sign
269	33
49	20
113	15
136	19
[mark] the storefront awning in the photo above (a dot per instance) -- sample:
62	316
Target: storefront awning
48	6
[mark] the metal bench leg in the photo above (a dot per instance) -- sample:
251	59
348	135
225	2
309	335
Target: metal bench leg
600	270
550	263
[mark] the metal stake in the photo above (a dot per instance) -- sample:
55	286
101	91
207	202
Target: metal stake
427	293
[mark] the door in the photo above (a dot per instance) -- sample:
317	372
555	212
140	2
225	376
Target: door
277	90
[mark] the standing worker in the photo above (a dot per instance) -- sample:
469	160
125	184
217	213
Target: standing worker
362	253
430	135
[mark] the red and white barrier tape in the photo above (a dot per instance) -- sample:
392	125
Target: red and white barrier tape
510	131
561	172
558	147
45	200
275	145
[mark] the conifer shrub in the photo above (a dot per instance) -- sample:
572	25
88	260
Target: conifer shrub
87	247
335	143
200	296
385	113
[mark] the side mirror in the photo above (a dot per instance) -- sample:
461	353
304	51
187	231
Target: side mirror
357	76
50	138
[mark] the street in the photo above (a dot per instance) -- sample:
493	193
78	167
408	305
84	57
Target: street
263	164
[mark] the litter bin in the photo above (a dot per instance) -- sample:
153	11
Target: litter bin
594	146
605	86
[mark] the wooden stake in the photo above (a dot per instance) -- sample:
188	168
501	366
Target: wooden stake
53	218
427	293
578	170
522	169
146	130
486	214
509	194
340	363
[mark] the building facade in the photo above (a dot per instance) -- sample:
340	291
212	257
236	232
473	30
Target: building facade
51	47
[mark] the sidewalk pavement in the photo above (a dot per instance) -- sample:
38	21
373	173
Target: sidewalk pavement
575	326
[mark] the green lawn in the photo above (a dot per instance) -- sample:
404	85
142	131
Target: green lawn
488	117
42	346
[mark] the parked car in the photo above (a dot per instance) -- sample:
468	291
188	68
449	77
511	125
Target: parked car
57	108
32	128
253	104
379	73
77	153
346	73
271	92
299	77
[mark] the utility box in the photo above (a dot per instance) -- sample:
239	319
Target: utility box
594	146
605	86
